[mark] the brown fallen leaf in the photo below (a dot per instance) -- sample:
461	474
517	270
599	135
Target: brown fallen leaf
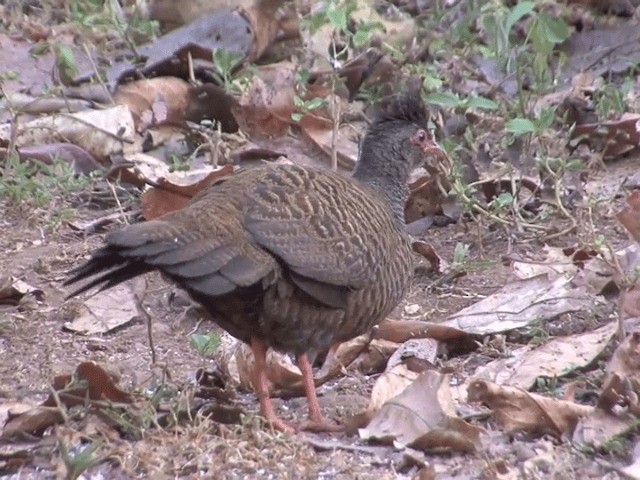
399	331
557	357
167	197
265	108
629	216
621	385
89	385
82	161
155	101
12	290
518	410
613	138
423	417
264	25
436	262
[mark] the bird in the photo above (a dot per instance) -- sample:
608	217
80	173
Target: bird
285	256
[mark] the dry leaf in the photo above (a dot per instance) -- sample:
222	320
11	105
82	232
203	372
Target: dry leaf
518	410
12	290
422	416
167	196
89	385
519	303
105	312
100	133
399	331
557	357
621	385
630	215
155	101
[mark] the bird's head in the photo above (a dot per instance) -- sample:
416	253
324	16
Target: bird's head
397	141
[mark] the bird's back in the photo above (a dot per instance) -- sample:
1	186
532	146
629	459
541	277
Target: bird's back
301	258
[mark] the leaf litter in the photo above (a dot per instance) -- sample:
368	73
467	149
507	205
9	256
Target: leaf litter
499	323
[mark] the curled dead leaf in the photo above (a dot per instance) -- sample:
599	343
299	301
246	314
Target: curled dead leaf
518	410
167	197
629	216
422	416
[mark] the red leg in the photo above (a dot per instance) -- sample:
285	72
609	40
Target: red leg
261	387
316	421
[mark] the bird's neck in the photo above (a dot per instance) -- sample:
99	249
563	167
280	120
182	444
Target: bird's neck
386	177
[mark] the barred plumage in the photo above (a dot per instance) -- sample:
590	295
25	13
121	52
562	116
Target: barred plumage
286	256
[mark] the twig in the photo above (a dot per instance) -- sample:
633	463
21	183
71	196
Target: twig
97	72
115	196
143	308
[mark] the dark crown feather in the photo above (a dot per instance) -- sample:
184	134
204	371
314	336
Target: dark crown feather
405	108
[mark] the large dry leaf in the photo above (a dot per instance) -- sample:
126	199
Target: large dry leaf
621	385
400	331
90	385
320	131
99	132
155	101
423	417
267	105
81	160
629	216
557	357
167	197
518	410
237	364
248	33
389	385
102	313
520	303
601	427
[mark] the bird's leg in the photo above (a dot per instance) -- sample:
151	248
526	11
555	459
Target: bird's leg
261	386
316	420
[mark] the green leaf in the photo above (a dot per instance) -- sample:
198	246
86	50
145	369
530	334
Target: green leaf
314	103
361	38
65	59
431	83
520	10
556	29
205	345
520	126
444	99
296	117
337	18
316	21
482	103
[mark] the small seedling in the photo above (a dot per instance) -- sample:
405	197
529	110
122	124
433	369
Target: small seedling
205	345
80	461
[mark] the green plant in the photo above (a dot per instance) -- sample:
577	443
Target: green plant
205	345
610	101
105	15
460	255
80	461
179	164
225	63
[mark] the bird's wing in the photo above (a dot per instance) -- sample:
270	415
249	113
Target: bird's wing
203	248
321	227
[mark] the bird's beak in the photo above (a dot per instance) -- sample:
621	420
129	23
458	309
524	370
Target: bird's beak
436	159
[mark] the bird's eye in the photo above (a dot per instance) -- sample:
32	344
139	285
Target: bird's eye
421	135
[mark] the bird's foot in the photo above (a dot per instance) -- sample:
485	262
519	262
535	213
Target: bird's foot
321	425
281	426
